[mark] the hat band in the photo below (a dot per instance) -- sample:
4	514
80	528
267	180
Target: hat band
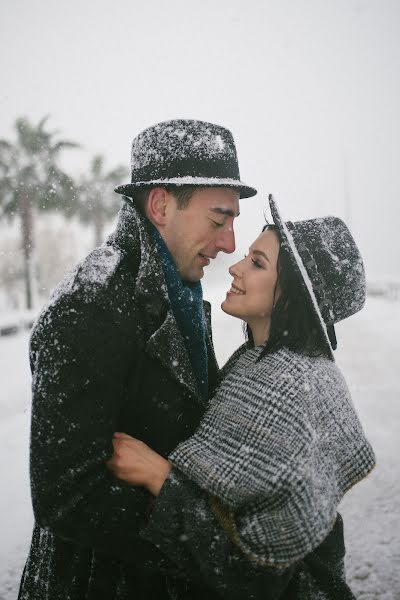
207	168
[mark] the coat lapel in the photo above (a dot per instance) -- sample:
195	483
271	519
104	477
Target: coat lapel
167	346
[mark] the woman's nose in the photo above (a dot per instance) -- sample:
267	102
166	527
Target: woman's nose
234	270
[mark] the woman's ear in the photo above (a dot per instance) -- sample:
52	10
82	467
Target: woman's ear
156	206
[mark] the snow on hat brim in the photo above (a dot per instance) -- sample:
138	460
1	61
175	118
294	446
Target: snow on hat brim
287	238
244	190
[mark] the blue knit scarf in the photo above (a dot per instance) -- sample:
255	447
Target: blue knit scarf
187	306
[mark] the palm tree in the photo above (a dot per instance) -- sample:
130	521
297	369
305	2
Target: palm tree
97	203
31	180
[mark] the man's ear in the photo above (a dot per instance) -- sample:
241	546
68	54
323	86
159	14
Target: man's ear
157	206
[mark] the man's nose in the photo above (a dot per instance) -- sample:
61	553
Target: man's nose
226	241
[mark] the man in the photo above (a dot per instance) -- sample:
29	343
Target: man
123	344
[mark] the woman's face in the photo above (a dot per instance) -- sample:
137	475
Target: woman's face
254	291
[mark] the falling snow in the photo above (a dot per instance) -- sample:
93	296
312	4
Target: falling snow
368	356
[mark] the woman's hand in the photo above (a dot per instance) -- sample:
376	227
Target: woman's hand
134	462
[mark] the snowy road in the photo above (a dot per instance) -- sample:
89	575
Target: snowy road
369	351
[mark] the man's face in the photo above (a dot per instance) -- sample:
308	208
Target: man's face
195	234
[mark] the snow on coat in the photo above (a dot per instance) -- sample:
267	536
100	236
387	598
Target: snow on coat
106	355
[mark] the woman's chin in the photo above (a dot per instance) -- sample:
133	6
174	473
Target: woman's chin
225	307
228	309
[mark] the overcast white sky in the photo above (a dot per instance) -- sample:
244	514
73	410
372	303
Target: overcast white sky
309	88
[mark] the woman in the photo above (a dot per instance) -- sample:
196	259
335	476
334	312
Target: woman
280	442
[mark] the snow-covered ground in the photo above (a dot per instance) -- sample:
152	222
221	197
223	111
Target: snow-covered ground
369	351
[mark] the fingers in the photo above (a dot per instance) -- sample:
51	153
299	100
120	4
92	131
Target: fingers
123	445
121	440
123	436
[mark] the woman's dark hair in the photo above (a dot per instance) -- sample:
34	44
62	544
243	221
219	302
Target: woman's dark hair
293	322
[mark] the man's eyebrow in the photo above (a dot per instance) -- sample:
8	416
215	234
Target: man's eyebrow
224	211
261	253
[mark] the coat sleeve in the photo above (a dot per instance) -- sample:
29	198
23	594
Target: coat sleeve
79	366
184	527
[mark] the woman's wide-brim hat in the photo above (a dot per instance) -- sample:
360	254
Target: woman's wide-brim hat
329	265
184	152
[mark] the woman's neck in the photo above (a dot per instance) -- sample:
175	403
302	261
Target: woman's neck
260	332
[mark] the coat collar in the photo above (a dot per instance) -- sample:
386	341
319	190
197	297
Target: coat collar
162	337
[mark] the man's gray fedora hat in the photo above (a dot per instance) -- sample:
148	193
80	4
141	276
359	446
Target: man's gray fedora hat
185	152
329	264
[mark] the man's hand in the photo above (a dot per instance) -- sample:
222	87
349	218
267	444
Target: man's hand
134	462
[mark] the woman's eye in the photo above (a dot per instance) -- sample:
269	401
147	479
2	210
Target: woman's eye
256	263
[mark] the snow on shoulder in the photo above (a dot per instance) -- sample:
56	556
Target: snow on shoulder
99	266
90	275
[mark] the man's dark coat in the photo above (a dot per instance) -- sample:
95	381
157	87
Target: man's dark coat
106	355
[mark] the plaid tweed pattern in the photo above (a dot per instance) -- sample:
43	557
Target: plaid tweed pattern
279	445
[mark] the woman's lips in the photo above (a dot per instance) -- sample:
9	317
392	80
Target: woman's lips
235	291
